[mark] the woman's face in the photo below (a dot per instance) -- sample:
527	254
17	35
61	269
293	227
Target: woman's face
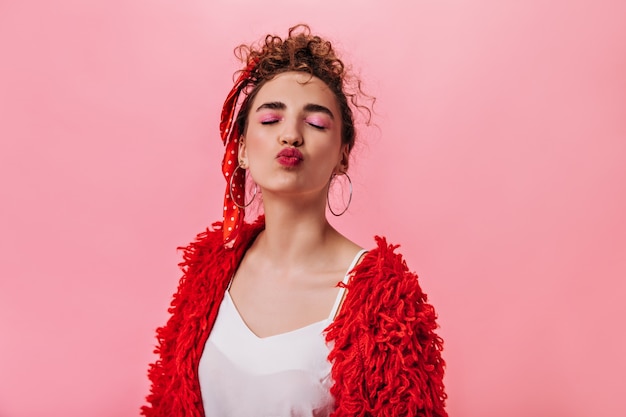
292	141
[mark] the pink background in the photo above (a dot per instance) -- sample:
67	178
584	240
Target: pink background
498	162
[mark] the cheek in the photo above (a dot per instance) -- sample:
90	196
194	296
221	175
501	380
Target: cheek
256	141
334	146
257	152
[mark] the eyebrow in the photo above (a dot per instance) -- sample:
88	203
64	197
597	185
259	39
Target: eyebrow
309	108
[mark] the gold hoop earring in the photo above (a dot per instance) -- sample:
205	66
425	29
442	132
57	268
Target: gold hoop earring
349	197
230	190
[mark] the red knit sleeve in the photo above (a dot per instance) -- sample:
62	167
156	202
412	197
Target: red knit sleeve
387	360
174	390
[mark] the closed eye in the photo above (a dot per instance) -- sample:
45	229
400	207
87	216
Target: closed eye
317	121
317	126
269	119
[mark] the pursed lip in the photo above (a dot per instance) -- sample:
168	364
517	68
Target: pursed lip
289	157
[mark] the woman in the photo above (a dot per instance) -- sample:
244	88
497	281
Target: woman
286	316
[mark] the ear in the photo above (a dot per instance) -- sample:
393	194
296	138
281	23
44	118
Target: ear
344	161
243	152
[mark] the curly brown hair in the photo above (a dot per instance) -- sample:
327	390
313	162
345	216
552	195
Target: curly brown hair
302	51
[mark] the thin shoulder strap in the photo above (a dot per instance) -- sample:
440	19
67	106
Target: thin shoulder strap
342	289
230	282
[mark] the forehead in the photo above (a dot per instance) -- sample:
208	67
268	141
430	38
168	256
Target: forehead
296	89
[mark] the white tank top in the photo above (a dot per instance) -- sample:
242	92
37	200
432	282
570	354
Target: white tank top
285	375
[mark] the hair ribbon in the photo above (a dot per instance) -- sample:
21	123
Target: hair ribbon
230	134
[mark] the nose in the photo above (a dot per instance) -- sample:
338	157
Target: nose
291	135
291	140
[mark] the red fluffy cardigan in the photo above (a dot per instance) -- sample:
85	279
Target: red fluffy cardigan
386	358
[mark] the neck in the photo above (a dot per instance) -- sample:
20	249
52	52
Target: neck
295	230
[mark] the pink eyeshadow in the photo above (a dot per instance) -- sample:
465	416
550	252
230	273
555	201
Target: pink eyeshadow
318	121
269	118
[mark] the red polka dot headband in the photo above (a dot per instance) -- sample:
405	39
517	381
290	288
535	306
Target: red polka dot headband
230	133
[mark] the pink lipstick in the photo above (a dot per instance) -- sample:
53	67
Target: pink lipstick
289	157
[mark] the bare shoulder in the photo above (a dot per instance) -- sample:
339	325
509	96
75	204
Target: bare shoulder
344	251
